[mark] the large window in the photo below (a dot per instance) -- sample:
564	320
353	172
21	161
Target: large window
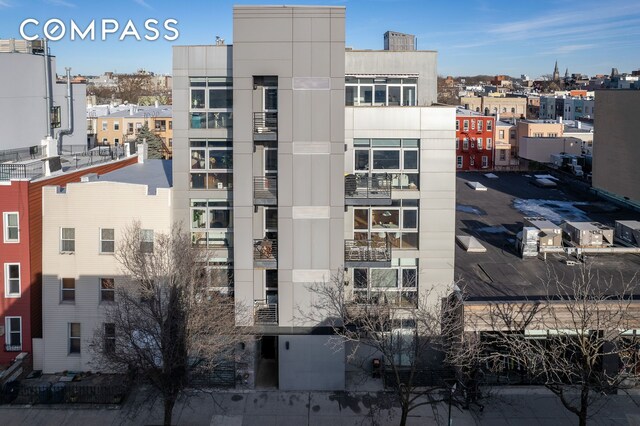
211	223
389	159
11	280
11	227
397	285
67	240
211	101
13	334
74	338
68	290
107	240
218	275
211	164
396	224
381	91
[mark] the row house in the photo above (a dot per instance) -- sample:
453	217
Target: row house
475	136
80	273
21	253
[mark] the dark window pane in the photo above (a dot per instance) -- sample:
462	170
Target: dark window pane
360	279
220	98
411	160
362	159
384	160
410	219
409	278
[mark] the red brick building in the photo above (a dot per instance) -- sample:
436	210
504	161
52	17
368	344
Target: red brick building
475	138
21	255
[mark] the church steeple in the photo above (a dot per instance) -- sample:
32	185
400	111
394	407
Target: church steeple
556	73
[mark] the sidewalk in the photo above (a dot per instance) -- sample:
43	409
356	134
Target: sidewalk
513	406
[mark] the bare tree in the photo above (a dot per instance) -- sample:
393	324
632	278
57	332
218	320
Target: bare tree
132	86
577	340
409	339
168	321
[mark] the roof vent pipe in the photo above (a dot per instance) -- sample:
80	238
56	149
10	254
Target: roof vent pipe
69	130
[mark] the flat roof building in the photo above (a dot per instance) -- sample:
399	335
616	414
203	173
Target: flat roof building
265	132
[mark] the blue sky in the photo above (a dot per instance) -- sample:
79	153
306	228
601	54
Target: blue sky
472	36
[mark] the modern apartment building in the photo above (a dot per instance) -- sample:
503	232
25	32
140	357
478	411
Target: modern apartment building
293	160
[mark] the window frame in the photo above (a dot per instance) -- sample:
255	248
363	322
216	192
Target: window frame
109	338
103	240
67	290
9	332
212	178
359	85
398	175
204	113
63	240
8	294
71	338
147	239
6	227
489	143
106	290
459	162
381	232
485	161
209	234
371	292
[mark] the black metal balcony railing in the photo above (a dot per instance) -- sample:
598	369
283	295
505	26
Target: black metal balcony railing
265	313
367	253
366	189
265	125
265	190
13	348
265	253
32	170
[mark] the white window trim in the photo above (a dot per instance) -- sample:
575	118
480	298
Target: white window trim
459	162
7	293
101	240
5	221
7	331
67	239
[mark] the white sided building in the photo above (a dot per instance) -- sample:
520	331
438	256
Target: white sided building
81	226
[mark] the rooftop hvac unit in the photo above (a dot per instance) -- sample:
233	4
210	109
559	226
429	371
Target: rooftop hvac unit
628	232
588	234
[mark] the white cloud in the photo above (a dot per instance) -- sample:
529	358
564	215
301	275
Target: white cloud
62	3
143	3
4	4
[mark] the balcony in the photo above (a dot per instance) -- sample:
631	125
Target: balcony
365	190
265	253
13	348
265	126
265	191
367	254
265	313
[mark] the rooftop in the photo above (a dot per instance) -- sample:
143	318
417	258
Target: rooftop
153	173
97	111
495	216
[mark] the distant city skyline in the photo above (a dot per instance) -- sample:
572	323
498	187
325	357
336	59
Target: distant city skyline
475	37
